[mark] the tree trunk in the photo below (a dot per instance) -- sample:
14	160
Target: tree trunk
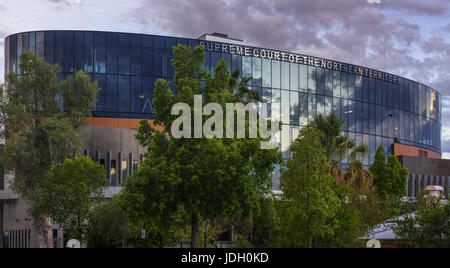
47	232
194	230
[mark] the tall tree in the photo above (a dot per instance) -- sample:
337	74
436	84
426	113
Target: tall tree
389	177
309	203
69	193
37	133
203	177
338	147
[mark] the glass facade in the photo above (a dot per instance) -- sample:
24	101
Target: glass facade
377	112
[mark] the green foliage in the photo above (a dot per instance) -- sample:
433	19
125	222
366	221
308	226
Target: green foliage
265	224
109	227
309	204
429	225
205	178
389	178
70	191
38	134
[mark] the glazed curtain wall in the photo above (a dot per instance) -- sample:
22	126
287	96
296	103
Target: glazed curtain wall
127	65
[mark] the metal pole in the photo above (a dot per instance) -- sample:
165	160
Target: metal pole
204	232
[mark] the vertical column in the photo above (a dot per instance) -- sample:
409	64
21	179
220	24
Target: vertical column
130	164
1	225
108	168
119	169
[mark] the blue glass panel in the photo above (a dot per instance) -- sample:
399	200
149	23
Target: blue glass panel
303	76
372	91
112	101
112	54
88	58
320	81
236	62
336	84
256	72
344	85
99	52
276	74
135	94
135	54
68	52
303	108
329	82
147	55
312	108
124	93
147	95
285	75
40	50
59	49
124	53
101	99
266	73
294	108
312	79
78	51
293	76
32	39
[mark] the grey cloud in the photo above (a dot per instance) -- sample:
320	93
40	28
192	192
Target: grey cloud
433	7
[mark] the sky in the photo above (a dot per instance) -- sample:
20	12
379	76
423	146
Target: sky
410	38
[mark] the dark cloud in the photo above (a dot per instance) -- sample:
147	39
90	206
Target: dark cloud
432	7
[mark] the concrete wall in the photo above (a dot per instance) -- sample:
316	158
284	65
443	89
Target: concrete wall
424	172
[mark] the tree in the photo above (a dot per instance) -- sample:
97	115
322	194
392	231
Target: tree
38	134
109	227
309	204
338	147
389	178
429	225
200	178
69	193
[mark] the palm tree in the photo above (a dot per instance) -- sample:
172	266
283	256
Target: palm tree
338	147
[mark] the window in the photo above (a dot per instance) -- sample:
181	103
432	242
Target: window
124	169
111	53
336	84
256	71
344	85
112	102
49	48
285	111
124	93
275	107
303	76
88	46
68	52
285	75
312	107
124	53
135	54
303	109
320	81
135	94
78	51
39	45
100	106
236	62
294	77
147	55
320	104
246	66
329	82
99	53
275	74
266	73
59	49
294	115
311	79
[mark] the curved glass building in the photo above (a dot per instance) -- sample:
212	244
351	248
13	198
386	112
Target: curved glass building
379	108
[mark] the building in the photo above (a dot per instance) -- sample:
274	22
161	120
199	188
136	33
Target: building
379	108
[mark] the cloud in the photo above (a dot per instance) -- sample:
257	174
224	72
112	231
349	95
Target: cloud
69	2
385	36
